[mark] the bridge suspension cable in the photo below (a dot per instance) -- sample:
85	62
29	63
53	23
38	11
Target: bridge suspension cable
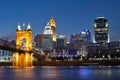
9	37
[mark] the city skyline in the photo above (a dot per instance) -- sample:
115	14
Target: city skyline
72	15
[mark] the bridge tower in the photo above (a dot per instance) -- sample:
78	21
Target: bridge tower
23	42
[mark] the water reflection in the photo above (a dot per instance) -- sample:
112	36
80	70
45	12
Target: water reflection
23	73
47	72
61	73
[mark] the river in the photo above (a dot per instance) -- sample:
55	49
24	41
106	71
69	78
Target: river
61	73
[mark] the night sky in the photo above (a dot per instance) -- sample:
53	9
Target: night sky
71	16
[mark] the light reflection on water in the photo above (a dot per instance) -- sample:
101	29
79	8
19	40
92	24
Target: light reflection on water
61	73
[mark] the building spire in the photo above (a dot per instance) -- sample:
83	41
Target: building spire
48	24
51	17
19	28
52	22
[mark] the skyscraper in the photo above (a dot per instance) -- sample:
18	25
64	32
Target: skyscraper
38	40
61	42
53	26
75	41
47	43
101	31
85	35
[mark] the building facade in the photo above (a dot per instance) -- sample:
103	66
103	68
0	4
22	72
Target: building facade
75	41
61	42
47	44
61	46
38	40
5	56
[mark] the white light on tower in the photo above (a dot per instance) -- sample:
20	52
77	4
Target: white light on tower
100	17
108	38
94	40
106	24
95	25
19	28
29	27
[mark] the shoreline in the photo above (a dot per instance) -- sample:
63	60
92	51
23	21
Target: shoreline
71	63
79	63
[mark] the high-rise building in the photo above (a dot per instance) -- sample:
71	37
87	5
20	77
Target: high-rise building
75	41
85	35
101	30
53	26
79	43
47	43
61	45
61	42
38	40
75	44
101	36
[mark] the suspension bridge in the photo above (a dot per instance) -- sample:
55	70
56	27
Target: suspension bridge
20	44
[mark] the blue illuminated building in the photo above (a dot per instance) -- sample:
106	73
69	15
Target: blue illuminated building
85	35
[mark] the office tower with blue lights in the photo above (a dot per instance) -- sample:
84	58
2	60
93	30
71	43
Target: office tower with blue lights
85	35
101	31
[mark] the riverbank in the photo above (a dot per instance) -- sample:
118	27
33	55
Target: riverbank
71	63
78	63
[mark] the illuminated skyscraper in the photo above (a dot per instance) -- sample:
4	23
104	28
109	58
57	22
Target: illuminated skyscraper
47	43
53	26
101	30
85	35
48	29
